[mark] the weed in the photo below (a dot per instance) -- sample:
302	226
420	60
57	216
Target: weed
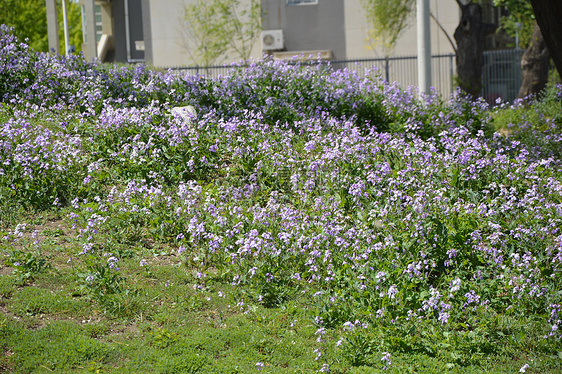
307	204
27	265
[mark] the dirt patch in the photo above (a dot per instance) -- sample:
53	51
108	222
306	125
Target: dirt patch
55	230
504	132
5	271
5	365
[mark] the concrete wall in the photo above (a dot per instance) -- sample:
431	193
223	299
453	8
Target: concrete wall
89	47
341	26
165	27
169	45
308	27
338	26
53	26
356	31
147	31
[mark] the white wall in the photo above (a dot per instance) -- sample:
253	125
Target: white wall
167	49
446	11
168	46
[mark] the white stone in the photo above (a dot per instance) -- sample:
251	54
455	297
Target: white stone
186	112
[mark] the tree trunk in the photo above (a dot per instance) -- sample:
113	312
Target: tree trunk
535	65
548	14
470	35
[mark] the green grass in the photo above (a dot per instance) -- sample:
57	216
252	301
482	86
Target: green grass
162	324
270	234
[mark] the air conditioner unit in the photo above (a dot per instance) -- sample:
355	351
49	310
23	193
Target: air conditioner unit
272	40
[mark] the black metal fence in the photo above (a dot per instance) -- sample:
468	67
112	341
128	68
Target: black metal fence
404	70
501	73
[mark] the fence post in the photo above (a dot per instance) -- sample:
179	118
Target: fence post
386	69
452	72
504	71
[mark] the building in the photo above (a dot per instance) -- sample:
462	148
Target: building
152	30
340	29
114	30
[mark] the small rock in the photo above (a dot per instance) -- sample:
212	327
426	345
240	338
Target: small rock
186	112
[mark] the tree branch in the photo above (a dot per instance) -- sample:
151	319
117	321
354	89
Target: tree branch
444	32
463	3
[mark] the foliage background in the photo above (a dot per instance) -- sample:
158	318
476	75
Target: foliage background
29	20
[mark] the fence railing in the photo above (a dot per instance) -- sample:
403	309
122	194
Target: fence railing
404	70
501	73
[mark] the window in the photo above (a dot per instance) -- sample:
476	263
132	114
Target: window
301	2
98	18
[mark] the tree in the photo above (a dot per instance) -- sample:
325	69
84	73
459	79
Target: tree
520	21
387	18
245	25
548	14
213	28
535	62
204	31
29	21
470	36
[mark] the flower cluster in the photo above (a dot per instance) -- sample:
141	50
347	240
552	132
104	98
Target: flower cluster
382	206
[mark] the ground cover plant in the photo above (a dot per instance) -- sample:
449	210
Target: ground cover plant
290	218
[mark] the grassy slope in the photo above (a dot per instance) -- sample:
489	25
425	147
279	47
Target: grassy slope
167	312
164	325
